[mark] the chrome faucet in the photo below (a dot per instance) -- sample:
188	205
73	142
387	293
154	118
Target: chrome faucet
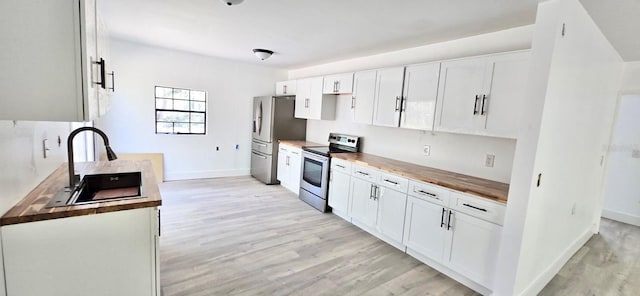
110	154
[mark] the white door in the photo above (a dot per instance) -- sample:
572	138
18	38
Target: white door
283	162
339	191
295	167
420	93
315	98
363	207
388	97
303	93
622	189
503	105
460	95
425	228
391	213
364	91
472	247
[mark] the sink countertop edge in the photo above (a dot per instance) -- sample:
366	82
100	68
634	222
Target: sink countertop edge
33	206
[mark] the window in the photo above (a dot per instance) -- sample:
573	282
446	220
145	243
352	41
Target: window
180	111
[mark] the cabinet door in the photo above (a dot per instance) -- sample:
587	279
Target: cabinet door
472	248
339	191
330	85
423	232
303	94
503	105
364	208
283	162
345	83
284	88
102	49
391	213
295	165
364	91
420	93
460	95
315	103
388	97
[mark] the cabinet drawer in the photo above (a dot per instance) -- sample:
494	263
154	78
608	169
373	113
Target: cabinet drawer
429	192
393	182
364	173
340	165
478	208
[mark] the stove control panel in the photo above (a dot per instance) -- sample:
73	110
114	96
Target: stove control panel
344	140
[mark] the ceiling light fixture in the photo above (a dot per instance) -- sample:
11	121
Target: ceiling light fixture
262	54
231	2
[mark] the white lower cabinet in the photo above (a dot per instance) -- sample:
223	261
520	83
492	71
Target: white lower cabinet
472	247
103	254
364	208
455	233
289	166
391	212
339	184
424	230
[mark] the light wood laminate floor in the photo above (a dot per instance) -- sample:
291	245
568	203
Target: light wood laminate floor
236	236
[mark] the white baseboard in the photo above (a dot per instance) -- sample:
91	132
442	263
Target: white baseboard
188	175
621	217
545	277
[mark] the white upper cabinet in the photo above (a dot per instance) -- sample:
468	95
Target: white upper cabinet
388	100
364	94
338	84
419	97
286	88
482	95
311	103
52	70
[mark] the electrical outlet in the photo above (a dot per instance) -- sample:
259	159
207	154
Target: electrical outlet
488	162
426	150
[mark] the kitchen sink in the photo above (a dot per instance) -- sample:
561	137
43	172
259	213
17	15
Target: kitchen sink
101	187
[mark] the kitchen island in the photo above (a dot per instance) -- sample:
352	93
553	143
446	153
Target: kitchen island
101	248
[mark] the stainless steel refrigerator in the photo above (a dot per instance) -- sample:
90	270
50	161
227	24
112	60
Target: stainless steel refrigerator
273	120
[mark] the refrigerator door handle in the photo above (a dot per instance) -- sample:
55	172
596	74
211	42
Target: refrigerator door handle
260	119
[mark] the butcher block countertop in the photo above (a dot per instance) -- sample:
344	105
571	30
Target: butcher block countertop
32	207
488	189
301	143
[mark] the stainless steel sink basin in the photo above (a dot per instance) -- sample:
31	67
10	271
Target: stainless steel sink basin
101	188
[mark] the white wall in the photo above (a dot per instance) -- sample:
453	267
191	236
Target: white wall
22	162
572	97
230	85
458	153
631	78
622	189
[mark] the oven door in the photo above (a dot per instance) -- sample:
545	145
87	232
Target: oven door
314	176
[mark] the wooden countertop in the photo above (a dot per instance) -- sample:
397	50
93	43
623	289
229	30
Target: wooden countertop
32	207
488	189
301	143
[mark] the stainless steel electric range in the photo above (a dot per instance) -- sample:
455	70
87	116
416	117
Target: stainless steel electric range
314	179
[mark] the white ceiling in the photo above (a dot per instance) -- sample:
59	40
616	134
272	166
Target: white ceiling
310	32
619	20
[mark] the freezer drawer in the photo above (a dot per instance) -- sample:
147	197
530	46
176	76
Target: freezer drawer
262	147
263	168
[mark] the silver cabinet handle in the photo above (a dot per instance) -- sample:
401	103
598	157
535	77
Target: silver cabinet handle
432	195
353	102
335	86
484	99
371	192
341	166
376	192
284	89
113	81
102	83
306	102
474	207
362	173
449	220
475	105
442	218
397	100
265	145
392	182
